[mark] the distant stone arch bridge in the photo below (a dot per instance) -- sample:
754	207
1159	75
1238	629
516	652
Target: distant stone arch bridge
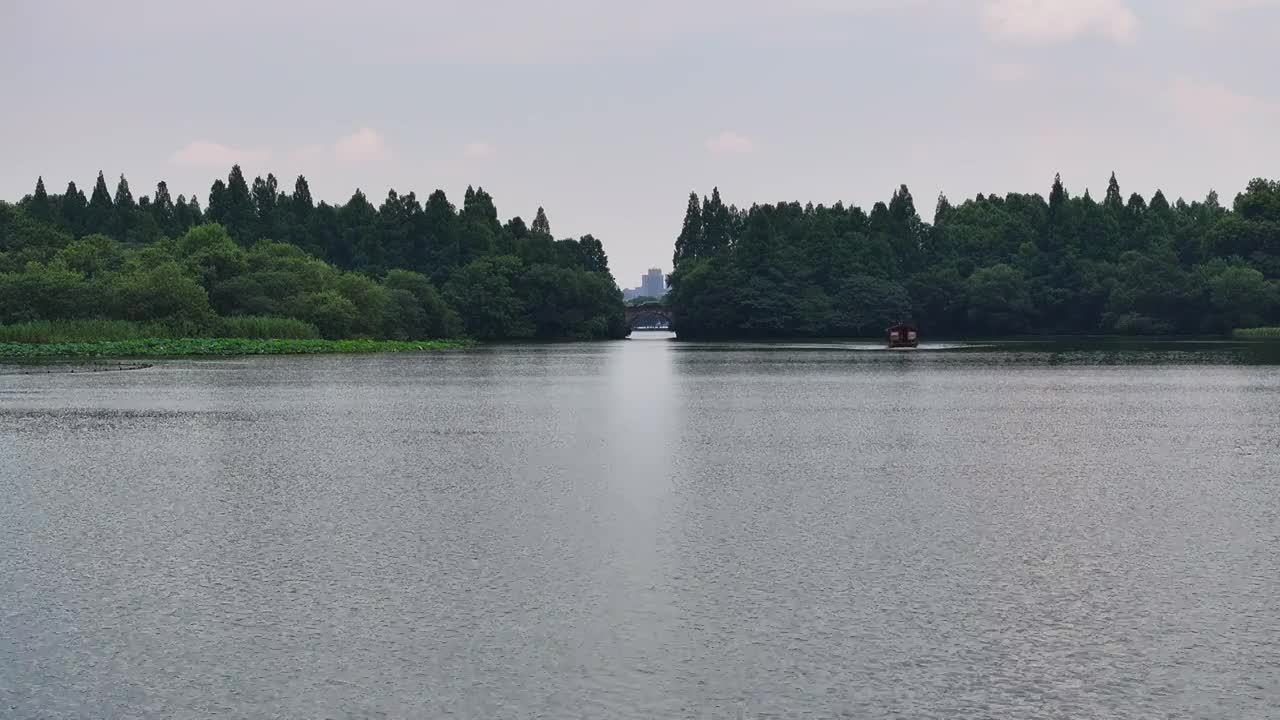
650	316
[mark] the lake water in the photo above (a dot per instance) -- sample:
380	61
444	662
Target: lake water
647	529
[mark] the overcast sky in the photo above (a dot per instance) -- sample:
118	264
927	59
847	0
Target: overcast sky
609	113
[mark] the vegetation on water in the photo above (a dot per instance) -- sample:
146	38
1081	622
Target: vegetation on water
260	262
989	266
1259	333
177	347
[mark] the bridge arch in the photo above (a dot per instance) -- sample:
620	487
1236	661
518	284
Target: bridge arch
649	315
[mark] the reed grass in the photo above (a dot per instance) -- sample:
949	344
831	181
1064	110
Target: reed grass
261	327
1260	333
76	331
239	335
194	347
253	327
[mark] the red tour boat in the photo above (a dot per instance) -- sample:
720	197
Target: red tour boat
903	335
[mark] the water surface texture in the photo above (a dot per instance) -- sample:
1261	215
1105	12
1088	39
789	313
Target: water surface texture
647	529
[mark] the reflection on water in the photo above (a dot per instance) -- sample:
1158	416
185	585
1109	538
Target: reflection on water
647	529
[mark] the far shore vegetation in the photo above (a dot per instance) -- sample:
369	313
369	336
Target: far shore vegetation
261	263
989	266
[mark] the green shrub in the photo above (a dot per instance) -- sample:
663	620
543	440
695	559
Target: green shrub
329	311
164	293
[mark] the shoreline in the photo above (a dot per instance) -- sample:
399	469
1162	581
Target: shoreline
216	347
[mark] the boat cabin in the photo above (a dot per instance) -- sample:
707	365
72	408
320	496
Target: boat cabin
903	335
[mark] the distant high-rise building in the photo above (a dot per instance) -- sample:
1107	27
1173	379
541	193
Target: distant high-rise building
653	284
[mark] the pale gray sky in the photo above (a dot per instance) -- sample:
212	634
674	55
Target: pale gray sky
609	113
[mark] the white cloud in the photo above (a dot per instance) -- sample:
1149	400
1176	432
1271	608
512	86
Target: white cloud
730	142
364	144
308	153
1222	6
203	153
1216	107
1204	13
501	30
1010	73
479	150
1055	21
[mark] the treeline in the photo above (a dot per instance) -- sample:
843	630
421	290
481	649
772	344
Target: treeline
989	266
401	270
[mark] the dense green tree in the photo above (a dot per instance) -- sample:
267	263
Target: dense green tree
991	265
210	255
1259	201
358	242
942	211
593	255
484	293
689	243
706	293
126	210
47	292
866	305
164	293
399	231
998	300
331	312
40	208
132	249
479	227
541	224
73	209
219	203
939	295
1057	199
163	211
717	225
100	215
375	311
440	237
429	316
516	228
241	216
1113	201
23	240
266	197
183	214
93	256
1241	296
302	209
